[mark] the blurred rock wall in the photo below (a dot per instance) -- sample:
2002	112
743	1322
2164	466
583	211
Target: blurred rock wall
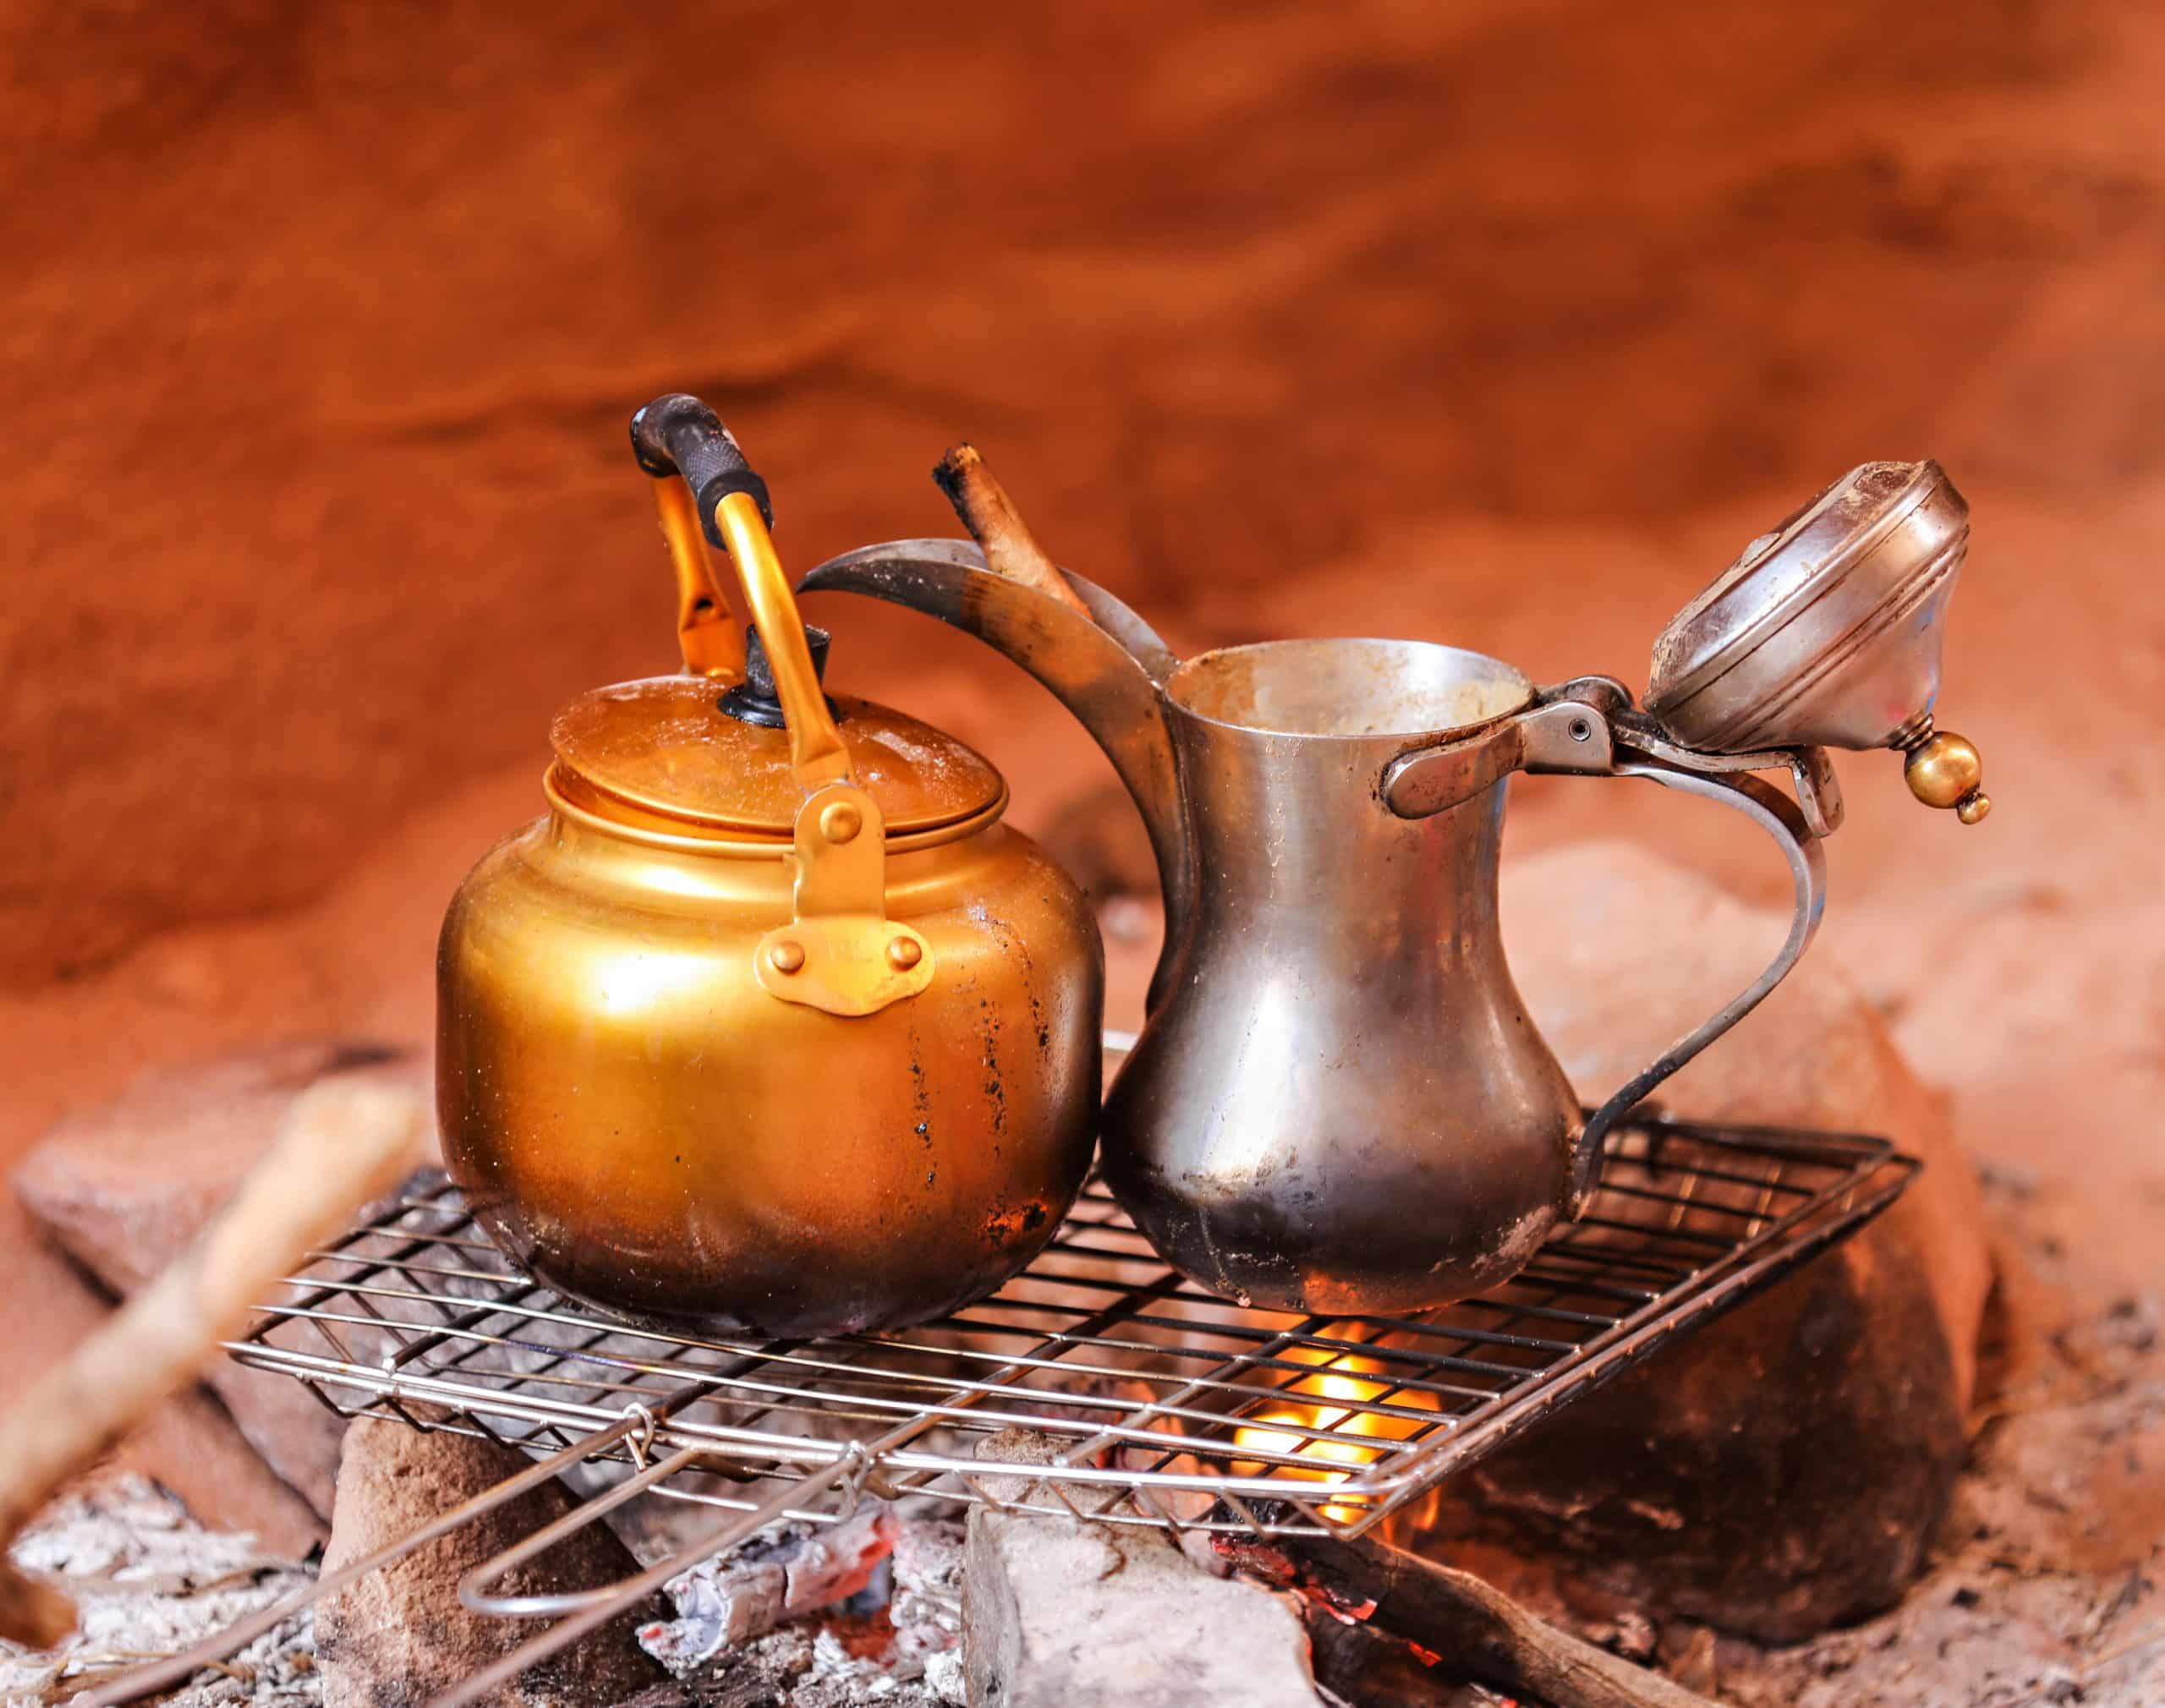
321	324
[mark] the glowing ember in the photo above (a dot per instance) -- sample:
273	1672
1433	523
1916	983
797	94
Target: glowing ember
1342	1388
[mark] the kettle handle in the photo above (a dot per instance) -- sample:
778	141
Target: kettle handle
706	630
677	435
837	951
1796	832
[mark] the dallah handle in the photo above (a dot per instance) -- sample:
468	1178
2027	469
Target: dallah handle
1773	812
677	435
1586	728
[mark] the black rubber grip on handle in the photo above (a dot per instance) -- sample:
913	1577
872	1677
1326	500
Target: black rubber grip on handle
679	434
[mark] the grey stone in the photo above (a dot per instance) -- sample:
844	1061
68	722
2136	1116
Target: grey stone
1060	1612
396	1637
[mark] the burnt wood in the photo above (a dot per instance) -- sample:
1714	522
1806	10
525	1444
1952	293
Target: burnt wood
1476	1631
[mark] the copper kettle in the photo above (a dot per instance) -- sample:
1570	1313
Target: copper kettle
769	1024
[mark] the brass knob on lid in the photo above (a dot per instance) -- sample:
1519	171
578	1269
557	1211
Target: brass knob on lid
1942	770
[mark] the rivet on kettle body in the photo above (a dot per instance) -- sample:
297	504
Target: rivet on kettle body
786	957
841	822
903	953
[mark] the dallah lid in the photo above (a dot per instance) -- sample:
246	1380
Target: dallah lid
1826	631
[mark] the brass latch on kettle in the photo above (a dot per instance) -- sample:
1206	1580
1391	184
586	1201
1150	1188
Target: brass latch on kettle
842	953
839	952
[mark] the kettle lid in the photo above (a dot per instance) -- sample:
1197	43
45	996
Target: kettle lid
668	745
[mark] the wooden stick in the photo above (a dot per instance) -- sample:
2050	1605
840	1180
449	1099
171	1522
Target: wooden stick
1360	1663
1475	1629
986	510
339	1144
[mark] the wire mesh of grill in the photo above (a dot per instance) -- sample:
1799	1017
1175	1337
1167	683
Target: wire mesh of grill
1167	1406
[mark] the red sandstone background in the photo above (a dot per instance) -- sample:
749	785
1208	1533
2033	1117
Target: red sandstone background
1497	324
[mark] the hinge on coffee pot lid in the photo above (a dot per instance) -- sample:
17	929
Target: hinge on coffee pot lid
1826	632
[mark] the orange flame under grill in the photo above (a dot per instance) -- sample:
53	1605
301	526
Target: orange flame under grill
1342	1391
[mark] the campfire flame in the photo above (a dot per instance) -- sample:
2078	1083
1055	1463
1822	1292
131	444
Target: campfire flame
1344	1387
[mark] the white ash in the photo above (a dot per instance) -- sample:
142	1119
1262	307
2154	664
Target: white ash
927	1609
868	1610
780	1575
148	1580
807	1665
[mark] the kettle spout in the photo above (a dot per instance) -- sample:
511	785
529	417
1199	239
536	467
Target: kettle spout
1107	673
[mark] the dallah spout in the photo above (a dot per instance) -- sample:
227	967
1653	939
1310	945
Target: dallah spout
1107	673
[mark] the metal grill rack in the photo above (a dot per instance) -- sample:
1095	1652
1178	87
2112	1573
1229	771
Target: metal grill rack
1169	1406
1165	1406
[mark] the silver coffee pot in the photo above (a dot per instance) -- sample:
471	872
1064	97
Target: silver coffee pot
1338	1101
